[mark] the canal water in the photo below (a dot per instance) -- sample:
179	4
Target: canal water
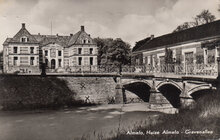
70	124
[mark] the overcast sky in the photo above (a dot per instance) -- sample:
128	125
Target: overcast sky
131	20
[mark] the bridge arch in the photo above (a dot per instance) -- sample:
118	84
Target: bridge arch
171	92
136	81
170	83
200	91
141	89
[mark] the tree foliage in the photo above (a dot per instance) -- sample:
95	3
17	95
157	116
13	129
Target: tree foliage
202	18
113	51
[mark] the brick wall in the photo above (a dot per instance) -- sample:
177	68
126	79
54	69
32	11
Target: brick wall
96	89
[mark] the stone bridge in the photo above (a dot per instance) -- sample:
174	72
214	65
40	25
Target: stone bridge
163	91
160	90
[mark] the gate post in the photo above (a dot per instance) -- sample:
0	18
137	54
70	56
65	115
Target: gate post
218	78
119	91
43	69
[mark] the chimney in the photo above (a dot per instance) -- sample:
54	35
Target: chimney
82	28
152	37
57	34
23	25
71	34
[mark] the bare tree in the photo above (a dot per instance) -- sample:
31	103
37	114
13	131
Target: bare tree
203	18
184	26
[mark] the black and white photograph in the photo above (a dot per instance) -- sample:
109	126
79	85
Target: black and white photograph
110	70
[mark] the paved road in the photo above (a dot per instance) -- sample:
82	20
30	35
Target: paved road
69	124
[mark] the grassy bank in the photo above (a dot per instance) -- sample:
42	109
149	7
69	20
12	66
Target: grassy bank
200	122
35	92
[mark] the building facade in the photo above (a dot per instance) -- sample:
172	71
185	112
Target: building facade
25	52
197	46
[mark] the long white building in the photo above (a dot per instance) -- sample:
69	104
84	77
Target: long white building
25	52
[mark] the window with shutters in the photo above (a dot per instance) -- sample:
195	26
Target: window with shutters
91	60
32	50
79	50
15	50
32	61
59	53
79	61
59	62
91	51
46	52
15	62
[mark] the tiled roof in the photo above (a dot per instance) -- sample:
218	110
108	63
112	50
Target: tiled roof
77	38
74	38
23	32
47	39
7	41
140	43
203	31
43	40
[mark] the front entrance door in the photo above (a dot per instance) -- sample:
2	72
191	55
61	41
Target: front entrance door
53	64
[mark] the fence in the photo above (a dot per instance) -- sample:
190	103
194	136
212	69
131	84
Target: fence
193	69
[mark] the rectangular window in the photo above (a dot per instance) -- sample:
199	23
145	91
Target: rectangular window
15	61
189	58
32	50
46	52
80	61
79	50
91	60
15	50
59	53
32	61
59	61
23	39
91	51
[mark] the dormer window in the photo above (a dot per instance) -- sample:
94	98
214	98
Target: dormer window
24	39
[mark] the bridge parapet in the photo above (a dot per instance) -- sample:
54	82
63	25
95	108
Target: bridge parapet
171	69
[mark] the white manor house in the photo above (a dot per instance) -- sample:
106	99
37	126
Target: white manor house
25	52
